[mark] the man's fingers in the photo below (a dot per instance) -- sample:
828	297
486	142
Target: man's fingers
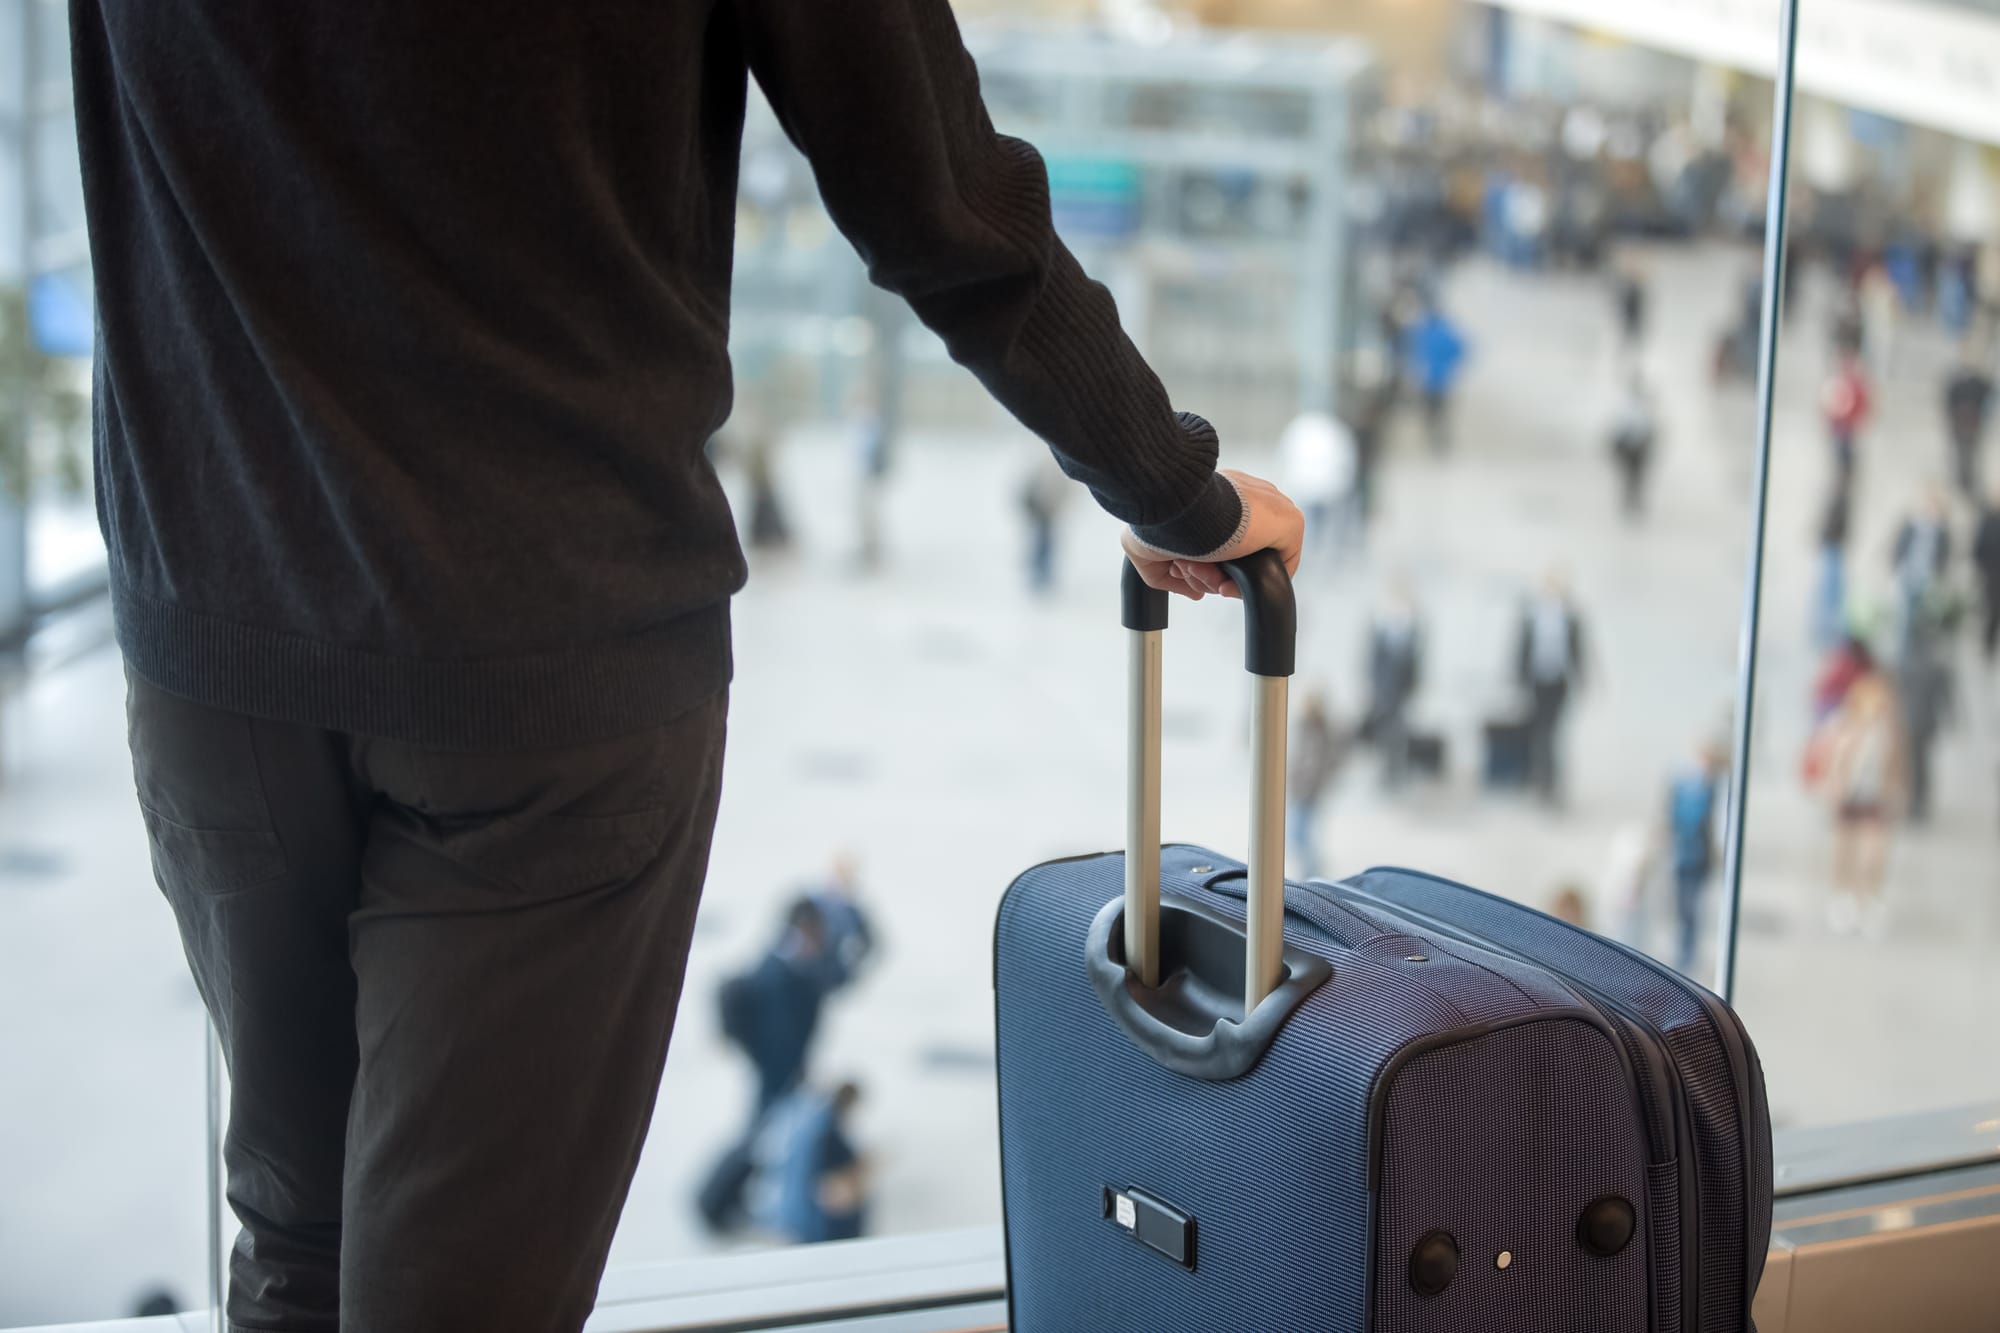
1161	574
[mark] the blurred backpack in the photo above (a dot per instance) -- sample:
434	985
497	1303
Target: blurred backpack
736	1005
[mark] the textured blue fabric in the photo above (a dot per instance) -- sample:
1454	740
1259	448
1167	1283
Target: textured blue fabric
1275	1166
1722	1082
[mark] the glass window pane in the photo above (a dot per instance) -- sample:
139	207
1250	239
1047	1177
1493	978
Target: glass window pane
1459	280
1868	913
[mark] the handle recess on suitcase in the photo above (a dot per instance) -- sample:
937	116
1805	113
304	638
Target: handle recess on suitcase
1270	637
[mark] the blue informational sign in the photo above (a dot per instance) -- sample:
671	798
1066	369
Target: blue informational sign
1097	198
59	316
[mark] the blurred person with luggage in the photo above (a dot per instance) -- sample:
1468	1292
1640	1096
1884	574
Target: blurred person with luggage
422	575
1395	671
1968	406
812	1180
1634	429
1865	781
1318	752
1693	797
1549	658
1986	567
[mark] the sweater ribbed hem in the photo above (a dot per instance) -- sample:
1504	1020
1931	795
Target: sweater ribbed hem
1215	519
589	693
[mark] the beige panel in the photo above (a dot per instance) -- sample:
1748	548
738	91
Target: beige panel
1772	1310
1942	1279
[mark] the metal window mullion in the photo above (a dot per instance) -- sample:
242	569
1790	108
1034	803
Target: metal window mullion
1729	910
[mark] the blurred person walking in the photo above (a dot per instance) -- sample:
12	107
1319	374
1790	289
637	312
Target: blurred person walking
1866	784
1633	432
1370	396
770	530
1435	351
422	576
1395	671
1986	565
1549	663
1318	753
849	936
1968	406
1829	607
1924	692
1849	661
771	1013
1919	559
1880	307
1629	300
1692	799
1846	404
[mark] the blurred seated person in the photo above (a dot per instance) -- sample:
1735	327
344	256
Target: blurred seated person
814	1184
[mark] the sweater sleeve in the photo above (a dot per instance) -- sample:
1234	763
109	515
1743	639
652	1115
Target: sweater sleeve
883	99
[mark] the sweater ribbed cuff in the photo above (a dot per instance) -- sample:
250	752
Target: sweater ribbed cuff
1213	521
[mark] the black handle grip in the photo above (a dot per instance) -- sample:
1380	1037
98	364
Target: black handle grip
1270	611
1141	605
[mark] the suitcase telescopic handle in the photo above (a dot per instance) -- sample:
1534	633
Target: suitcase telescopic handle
1270	639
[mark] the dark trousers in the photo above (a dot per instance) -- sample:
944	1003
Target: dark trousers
1989	632
1544	723
444	985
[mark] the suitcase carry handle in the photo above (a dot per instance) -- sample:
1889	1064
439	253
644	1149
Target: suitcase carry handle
1270	639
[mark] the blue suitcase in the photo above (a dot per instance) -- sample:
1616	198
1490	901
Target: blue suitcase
1444	1112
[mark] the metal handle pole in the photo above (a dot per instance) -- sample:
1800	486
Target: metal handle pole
1264	966
1142	809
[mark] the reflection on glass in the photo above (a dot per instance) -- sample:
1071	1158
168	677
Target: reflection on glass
1478	300
1869	917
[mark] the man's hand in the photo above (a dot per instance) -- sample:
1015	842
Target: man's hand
1274	522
